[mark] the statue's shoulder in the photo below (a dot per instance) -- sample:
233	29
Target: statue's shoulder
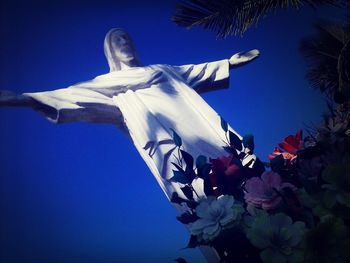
161	67
134	70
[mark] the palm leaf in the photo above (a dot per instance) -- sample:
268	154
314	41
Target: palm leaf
232	17
327	55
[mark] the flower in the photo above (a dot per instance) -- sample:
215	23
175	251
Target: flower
215	215
278	237
226	175
265	192
289	147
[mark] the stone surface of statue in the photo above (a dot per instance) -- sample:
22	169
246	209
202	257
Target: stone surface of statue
148	103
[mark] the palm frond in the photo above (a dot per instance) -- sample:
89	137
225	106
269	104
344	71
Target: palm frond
344	70
232	17
327	55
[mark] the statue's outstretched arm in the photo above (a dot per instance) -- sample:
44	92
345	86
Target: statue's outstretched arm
66	105
243	58
11	99
214	75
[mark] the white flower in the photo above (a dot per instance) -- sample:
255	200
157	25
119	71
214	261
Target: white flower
214	215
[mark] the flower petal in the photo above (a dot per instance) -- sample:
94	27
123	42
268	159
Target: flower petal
272	179
255	186
281	220
271	203
210	230
228	218
287	147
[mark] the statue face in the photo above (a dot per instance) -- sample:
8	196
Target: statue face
123	47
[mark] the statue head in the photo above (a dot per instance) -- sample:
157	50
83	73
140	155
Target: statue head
119	50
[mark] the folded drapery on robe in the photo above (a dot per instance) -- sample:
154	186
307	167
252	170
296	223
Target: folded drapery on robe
149	103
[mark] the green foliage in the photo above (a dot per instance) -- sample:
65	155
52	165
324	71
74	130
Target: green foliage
201	161
179	177
277	163
278	237
327	54
235	141
337	178
248	142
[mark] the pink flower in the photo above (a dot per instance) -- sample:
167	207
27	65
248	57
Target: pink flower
265	192
289	147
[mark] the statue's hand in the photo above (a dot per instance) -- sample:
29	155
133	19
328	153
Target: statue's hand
242	58
9	98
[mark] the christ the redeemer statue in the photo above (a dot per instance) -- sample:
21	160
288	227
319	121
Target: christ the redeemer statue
148	103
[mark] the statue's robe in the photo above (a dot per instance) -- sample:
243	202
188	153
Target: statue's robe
149	103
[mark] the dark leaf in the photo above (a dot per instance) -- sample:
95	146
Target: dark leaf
177	139
208	186
187	192
228	17
191	204
187	217
277	163
189	165
188	158
204	171
148	145
258	167
310	152
189	173
201	161
224	125
235	141
328	68
248	142
178	167
229	150
193	242
180	177
176	199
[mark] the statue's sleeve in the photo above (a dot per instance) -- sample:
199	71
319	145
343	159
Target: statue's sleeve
206	76
82	102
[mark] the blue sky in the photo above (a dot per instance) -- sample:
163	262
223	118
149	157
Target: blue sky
80	192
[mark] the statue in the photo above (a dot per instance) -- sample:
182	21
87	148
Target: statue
147	103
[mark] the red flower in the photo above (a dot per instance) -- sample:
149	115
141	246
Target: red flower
225	175
289	147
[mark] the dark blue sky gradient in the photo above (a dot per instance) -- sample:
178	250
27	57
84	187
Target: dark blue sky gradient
80	192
